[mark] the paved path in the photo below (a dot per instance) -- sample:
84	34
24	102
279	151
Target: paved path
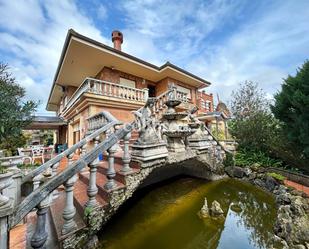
297	186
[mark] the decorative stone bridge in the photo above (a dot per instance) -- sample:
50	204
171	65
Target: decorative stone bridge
159	144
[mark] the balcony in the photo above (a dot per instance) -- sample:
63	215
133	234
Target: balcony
108	89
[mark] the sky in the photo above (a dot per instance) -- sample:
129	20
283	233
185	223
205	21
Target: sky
226	42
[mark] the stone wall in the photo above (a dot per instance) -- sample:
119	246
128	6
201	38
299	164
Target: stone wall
291	229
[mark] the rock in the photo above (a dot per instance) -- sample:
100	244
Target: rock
230	171
270	183
261	170
280	243
281	190
259	183
252	176
92	242
247	171
216	209
236	207
238	172
204	212
283	199
255	166
299	247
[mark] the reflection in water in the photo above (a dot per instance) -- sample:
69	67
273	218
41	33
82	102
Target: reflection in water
166	218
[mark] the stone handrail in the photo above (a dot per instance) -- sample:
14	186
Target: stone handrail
112	122
99	120
42	192
105	88
217	141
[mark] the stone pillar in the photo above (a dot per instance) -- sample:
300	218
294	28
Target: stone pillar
36	181
83	152
111	169
92	187
54	173
40	235
69	210
146	94
6	208
126	154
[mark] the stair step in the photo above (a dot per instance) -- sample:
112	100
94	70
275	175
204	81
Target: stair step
56	210
18	237
120	177
81	196
101	181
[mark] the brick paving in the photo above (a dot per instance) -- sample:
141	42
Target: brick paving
297	186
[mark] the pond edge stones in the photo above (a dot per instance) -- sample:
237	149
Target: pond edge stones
291	229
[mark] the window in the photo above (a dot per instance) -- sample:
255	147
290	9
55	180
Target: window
126	82
184	90
202	104
207	105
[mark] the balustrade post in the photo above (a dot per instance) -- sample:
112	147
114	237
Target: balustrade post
6	208
111	169
36	181
54	172
40	235
126	159
69	210
146	94
92	187
83	152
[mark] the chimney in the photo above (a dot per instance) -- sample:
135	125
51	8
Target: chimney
117	39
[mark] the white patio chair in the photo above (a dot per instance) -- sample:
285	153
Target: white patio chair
26	158
37	153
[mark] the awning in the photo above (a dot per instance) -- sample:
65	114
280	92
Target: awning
46	123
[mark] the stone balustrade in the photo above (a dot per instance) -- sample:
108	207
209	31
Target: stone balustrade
43	194
108	89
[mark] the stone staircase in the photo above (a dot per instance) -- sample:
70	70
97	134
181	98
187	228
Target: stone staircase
19	235
74	195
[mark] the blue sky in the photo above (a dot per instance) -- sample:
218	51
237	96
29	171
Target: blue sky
226	42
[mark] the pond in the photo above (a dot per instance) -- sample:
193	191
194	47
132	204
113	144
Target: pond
166	217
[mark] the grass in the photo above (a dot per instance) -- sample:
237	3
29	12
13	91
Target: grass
277	176
3	170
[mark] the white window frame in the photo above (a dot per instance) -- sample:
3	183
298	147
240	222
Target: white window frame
126	82
184	90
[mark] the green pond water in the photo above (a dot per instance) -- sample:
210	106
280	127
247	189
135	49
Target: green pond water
166	217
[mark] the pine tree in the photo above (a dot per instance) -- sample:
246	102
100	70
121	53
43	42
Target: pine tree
291	107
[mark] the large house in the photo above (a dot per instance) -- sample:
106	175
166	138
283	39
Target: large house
92	77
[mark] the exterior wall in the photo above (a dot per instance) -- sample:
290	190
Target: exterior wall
193	99
202	96
114	76
161	86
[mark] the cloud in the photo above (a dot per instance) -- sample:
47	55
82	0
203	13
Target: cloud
34	37
226	42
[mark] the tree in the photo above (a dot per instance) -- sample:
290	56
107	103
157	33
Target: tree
253	125
291	107
248	100
15	113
